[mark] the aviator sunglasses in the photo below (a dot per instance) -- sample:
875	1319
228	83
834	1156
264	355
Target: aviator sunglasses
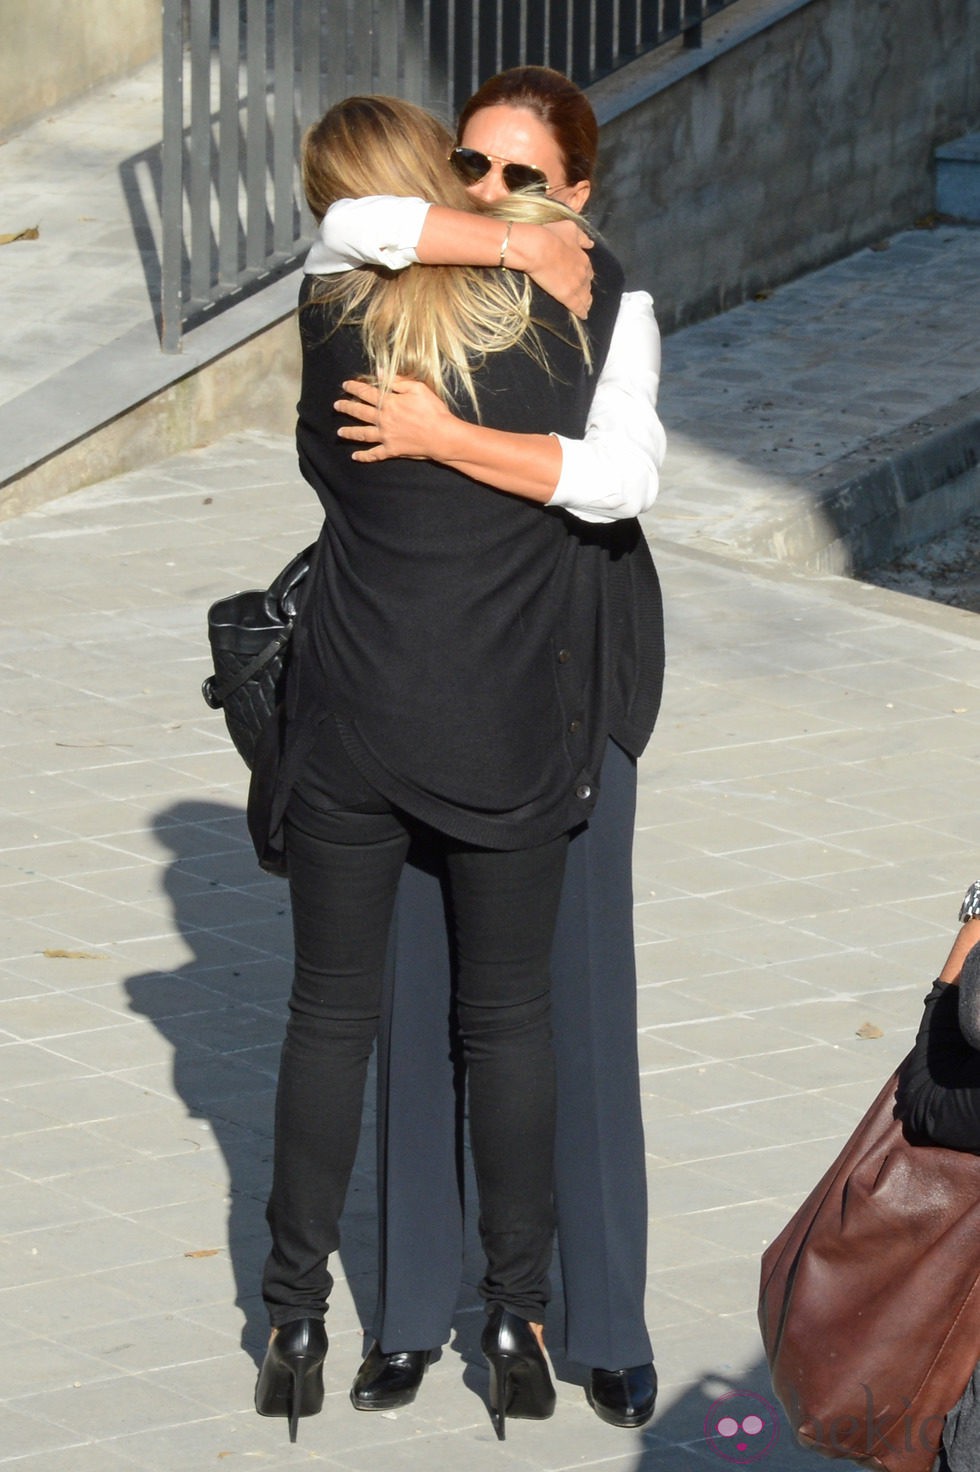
471	166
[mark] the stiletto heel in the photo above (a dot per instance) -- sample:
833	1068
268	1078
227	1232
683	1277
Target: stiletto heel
290	1381
520	1383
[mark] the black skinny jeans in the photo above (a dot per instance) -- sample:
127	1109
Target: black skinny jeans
344	866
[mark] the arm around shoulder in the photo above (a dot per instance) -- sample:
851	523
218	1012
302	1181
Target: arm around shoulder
380	230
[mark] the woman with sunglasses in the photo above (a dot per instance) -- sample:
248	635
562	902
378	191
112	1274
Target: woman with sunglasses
452	676
529	128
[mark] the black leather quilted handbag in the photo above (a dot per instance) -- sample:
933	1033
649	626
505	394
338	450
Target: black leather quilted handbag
249	634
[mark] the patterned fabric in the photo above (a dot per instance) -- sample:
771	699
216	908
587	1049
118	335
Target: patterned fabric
971	902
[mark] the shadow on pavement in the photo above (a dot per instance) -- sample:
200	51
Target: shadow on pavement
724	1421
223	1013
141	178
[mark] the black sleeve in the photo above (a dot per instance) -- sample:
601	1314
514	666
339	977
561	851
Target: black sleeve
939	1091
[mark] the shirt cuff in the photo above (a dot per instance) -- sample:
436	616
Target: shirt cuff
629	474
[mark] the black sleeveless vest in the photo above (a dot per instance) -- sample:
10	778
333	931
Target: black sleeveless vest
473	649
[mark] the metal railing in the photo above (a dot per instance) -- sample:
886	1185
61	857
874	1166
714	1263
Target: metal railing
242	78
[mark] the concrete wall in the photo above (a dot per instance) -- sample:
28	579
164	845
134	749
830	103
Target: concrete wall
53	50
802	130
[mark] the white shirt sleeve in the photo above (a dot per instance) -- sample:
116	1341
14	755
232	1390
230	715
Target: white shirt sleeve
382	230
614	472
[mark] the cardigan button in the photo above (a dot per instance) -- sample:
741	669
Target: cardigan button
584	791
564	655
574	727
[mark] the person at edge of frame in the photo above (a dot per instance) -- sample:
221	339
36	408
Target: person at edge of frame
542	641
939	1095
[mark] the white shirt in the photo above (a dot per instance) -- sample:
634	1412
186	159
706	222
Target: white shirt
614	471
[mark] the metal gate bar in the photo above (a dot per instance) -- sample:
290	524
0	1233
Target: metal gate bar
258	72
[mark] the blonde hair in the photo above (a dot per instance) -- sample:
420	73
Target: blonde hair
434	323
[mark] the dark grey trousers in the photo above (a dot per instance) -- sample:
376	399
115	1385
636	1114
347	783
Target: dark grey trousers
600	1177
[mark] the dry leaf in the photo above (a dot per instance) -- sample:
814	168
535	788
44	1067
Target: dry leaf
869	1030
204	1252
54	953
31	234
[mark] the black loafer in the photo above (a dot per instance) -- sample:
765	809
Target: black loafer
623	1397
386	1381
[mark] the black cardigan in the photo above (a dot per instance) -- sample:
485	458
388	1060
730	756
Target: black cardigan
474	649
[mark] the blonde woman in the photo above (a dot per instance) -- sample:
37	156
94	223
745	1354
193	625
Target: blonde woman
450	679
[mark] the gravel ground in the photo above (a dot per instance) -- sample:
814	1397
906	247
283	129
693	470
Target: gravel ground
946	570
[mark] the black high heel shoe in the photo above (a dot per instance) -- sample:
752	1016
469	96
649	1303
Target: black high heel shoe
290	1381
520	1382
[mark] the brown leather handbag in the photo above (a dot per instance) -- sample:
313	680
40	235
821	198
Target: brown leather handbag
869	1301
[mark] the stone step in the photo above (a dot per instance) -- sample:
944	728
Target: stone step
126	404
958	178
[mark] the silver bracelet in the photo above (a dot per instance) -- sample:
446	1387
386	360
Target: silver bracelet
506	243
970	908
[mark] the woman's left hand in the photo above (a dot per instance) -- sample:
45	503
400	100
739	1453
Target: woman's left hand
408	422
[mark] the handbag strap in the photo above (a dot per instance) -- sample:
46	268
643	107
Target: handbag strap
216	694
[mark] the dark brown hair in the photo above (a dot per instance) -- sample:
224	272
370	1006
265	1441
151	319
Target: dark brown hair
563	108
